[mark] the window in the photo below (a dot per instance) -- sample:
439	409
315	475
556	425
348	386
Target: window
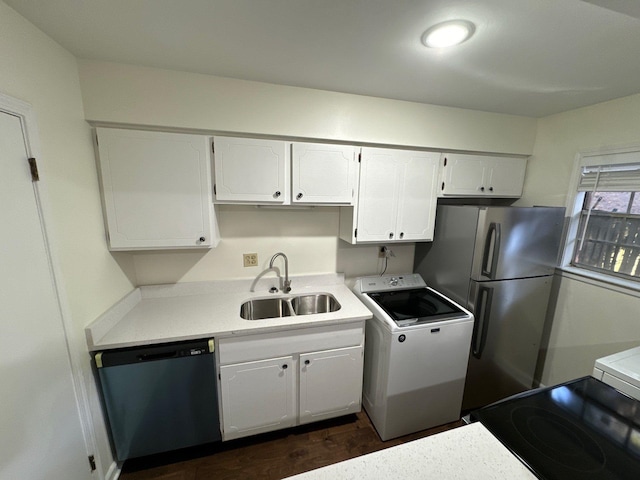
606	223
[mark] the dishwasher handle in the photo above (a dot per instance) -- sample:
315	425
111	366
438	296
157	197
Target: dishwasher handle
149	357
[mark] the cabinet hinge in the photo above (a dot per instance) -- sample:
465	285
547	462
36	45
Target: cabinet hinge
33	166
445	161
92	462
442	188
355	234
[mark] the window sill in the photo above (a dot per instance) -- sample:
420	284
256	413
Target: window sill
628	287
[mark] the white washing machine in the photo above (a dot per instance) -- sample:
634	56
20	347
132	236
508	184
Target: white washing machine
621	370
416	352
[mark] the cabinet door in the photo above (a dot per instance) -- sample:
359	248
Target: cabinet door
258	397
417	196
463	175
506	177
330	383
378	195
156	189
323	173
251	170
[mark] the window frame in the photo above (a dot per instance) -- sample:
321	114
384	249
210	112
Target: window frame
574	203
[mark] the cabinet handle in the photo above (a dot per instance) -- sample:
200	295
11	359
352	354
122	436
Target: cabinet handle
285	366
307	362
482	189
299	196
277	194
401	234
391	235
201	239
491	189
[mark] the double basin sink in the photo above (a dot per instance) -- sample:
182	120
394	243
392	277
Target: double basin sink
274	307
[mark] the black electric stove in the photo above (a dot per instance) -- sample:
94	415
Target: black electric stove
583	429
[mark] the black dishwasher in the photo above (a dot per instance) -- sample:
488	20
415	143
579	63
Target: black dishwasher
159	398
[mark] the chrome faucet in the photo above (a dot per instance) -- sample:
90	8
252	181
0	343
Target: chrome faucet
287	283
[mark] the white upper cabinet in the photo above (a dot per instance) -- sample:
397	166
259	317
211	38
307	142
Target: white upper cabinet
481	176
283	173
396	199
156	189
251	170
323	173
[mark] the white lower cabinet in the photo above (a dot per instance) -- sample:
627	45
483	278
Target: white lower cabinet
258	396
320	374
282	379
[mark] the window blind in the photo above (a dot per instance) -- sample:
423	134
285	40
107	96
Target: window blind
610	178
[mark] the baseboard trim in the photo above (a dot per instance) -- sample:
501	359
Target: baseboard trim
113	473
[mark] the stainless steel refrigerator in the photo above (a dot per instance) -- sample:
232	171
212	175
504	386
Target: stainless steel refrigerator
499	263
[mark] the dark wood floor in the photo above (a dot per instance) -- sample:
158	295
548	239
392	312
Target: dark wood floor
273	455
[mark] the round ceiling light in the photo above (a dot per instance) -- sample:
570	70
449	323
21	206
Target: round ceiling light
448	34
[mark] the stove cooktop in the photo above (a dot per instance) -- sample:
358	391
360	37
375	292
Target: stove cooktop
583	429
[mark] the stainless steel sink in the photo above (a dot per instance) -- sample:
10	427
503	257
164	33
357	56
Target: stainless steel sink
317	303
265	308
261	308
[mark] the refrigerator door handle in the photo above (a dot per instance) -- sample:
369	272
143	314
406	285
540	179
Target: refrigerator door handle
494	233
481	325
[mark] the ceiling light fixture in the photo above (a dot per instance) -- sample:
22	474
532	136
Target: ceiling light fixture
448	34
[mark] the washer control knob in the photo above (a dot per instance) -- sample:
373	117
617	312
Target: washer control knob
402	338
393	281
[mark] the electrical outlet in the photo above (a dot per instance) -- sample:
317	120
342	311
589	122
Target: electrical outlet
250	259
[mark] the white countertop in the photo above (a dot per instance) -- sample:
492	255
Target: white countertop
469	452
186	311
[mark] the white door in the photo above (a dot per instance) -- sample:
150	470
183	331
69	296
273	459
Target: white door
40	430
464	175
258	397
251	170
417	196
157	189
506	176
378	197
322	173
330	383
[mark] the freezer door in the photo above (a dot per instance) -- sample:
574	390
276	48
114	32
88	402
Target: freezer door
516	242
509	319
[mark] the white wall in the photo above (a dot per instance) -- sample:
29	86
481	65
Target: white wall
37	70
589	321
131	95
136	95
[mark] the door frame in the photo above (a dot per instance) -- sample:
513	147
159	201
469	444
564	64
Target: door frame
24	111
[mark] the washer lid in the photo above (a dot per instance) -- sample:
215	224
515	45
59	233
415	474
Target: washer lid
416	306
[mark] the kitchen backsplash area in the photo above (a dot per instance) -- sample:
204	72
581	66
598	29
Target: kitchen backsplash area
309	237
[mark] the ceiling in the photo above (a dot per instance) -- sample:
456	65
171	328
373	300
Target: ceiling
527	57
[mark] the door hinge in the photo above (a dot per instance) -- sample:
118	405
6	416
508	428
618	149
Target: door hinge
92	462
33	166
